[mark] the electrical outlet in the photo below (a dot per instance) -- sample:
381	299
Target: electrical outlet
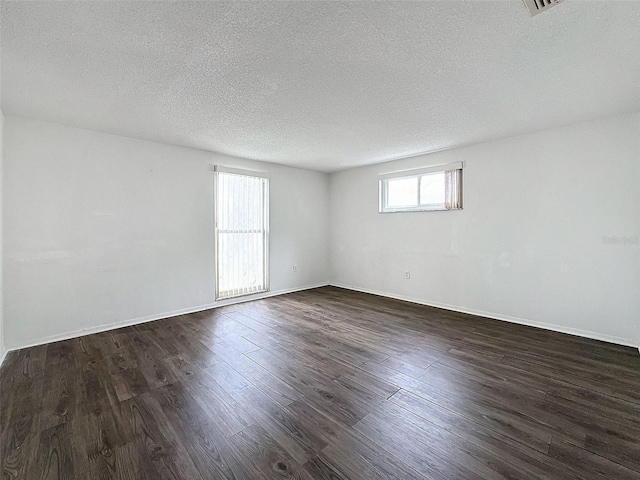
407	274
295	269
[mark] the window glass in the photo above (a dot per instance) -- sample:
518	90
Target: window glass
432	189
402	192
242	234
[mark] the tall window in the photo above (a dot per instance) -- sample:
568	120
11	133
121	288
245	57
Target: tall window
241	232
432	188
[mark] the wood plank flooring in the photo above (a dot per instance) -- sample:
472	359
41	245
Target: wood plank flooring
323	384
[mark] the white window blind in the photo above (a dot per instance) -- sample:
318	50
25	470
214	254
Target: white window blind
425	189
241	232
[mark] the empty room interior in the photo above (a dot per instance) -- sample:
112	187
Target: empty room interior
320	239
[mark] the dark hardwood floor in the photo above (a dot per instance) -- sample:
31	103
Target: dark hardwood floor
325	384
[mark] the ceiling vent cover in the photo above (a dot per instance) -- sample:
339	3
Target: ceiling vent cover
537	6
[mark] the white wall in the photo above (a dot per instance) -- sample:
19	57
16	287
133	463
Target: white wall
3	350
102	229
529	245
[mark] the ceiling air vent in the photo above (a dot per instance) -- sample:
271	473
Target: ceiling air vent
537	6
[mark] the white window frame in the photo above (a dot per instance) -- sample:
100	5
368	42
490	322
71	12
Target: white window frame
249	173
418	173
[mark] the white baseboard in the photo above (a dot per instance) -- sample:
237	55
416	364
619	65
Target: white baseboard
159	316
3	353
150	318
497	316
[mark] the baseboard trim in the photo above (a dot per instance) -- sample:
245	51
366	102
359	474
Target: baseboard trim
175	313
497	316
150	318
3	354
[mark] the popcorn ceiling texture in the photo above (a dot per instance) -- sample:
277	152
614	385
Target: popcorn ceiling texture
319	85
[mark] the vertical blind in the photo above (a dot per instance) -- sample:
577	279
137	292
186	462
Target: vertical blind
453	189
241	232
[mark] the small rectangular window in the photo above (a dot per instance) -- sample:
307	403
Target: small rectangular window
424	189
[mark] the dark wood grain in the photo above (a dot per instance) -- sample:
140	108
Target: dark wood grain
55	454
323	384
264	456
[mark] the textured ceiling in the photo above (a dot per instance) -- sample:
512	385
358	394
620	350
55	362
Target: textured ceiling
321	85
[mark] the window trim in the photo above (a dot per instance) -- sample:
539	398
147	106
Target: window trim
417	173
221	296
240	171
413	172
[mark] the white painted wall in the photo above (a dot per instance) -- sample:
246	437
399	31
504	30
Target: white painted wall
101	229
528	246
3	349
